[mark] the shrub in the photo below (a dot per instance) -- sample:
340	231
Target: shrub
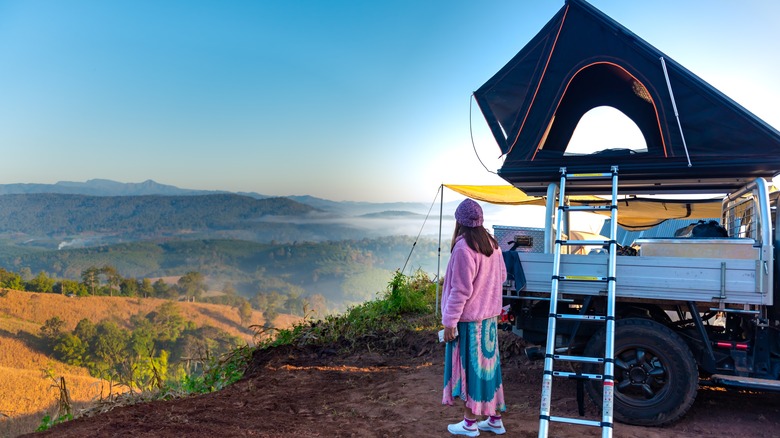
218	373
406	296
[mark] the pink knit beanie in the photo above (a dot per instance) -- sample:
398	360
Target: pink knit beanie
469	214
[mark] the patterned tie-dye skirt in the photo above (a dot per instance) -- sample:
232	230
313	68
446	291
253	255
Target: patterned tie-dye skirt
472	368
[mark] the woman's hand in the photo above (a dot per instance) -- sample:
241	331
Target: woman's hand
450	333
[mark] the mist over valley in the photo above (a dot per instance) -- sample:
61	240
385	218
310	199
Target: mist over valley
344	252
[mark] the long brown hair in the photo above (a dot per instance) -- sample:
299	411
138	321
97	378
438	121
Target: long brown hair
477	238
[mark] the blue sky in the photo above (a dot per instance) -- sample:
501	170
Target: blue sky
345	100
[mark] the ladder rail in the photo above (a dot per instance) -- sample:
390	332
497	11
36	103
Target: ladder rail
607	378
544	414
609	348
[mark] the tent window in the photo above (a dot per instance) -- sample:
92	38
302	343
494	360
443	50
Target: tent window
605	128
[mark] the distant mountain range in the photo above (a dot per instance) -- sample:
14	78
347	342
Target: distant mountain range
103	212
64	214
101	187
106	187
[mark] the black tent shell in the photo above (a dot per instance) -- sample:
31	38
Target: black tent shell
583	59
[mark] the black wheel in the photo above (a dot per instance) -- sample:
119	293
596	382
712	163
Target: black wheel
656	376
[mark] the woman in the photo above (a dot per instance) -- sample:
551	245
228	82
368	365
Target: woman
471	302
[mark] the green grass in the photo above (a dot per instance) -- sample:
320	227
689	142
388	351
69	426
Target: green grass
408	303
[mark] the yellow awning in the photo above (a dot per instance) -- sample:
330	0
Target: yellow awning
509	195
635	213
506	195
643	213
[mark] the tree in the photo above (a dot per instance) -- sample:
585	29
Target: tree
11	280
128	287
70	349
113	279
67	287
85	330
168	322
296	304
90	277
162	290
260	301
192	284
41	283
245	312
150	371
198	345
270	304
270	315
142	339
276	301
52	329
145	288
110	350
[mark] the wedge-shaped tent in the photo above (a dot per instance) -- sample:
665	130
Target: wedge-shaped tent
582	59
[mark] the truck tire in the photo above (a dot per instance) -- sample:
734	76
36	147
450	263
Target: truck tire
656	376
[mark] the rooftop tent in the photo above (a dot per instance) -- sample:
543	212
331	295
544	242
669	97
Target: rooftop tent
582	59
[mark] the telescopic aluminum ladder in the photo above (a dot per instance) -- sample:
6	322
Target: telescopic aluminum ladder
551	355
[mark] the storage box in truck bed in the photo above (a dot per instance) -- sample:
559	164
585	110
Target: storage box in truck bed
705	247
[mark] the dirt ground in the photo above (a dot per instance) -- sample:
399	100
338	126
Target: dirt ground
292	392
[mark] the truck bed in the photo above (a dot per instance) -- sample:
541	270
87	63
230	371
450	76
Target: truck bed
701	279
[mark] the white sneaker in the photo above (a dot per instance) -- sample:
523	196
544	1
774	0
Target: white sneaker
463	429
497	427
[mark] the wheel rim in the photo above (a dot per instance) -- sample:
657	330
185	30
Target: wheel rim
641	378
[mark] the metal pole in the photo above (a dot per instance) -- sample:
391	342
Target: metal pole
438	261
677	115
552	191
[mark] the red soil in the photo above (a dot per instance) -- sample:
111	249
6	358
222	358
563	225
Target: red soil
395	392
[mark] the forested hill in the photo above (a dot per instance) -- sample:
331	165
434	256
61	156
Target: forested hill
62	214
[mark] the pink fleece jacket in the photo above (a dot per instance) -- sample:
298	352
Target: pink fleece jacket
472	285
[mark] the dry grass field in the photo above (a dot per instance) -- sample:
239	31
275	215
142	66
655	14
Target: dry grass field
36	308
28	393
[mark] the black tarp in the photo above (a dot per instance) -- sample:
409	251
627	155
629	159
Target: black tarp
582	59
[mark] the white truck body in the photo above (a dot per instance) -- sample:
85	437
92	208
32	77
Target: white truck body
708	300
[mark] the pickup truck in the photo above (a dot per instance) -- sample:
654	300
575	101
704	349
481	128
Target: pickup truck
690	311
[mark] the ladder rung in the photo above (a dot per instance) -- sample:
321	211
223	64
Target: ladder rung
581	359
578	375
588	175
583	242
576	421
578	317
586	207
581	278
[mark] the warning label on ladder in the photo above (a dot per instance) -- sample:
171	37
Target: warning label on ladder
609	390
546	391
